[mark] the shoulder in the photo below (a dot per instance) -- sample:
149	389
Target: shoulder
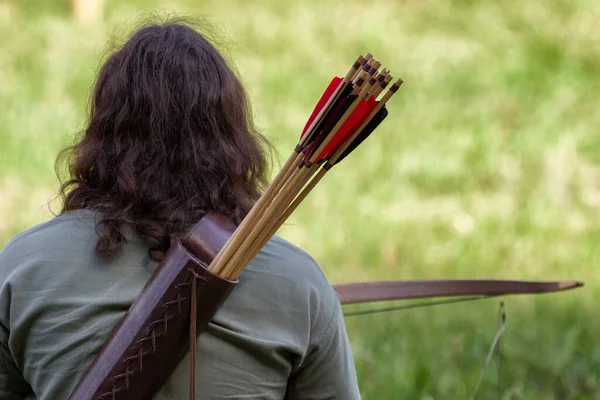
289	264
58	233
284	274
46	256
59	249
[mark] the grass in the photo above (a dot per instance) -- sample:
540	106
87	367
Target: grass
488	166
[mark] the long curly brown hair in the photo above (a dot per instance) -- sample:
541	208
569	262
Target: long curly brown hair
170	137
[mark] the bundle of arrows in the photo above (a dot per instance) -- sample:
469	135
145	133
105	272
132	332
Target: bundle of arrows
349	110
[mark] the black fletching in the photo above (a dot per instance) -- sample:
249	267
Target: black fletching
374	123
328	115
332	119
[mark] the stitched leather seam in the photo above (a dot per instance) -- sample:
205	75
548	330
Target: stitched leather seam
154	334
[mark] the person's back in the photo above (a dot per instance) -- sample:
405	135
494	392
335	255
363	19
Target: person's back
169	139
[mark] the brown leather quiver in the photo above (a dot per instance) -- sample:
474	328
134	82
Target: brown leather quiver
154	335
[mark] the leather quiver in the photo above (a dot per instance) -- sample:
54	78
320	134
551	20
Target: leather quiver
153	336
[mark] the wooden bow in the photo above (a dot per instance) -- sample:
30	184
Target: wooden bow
456	289
368	292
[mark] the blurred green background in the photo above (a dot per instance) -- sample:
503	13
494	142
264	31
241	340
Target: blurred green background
487	167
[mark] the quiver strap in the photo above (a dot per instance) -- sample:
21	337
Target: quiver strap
153	337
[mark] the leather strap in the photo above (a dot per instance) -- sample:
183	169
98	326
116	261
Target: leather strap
193	315
205	240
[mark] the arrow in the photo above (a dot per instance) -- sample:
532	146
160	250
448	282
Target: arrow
346	112
345	147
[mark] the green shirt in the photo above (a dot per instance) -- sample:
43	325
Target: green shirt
280	334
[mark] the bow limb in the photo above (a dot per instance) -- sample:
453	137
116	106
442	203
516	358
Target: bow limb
367	292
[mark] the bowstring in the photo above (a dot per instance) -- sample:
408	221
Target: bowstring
417	305
495	344
501	322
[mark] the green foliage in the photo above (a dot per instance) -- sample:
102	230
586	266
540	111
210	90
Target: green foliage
488	166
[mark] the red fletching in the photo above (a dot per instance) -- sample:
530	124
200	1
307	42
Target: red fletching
372	103
335	82
353	122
